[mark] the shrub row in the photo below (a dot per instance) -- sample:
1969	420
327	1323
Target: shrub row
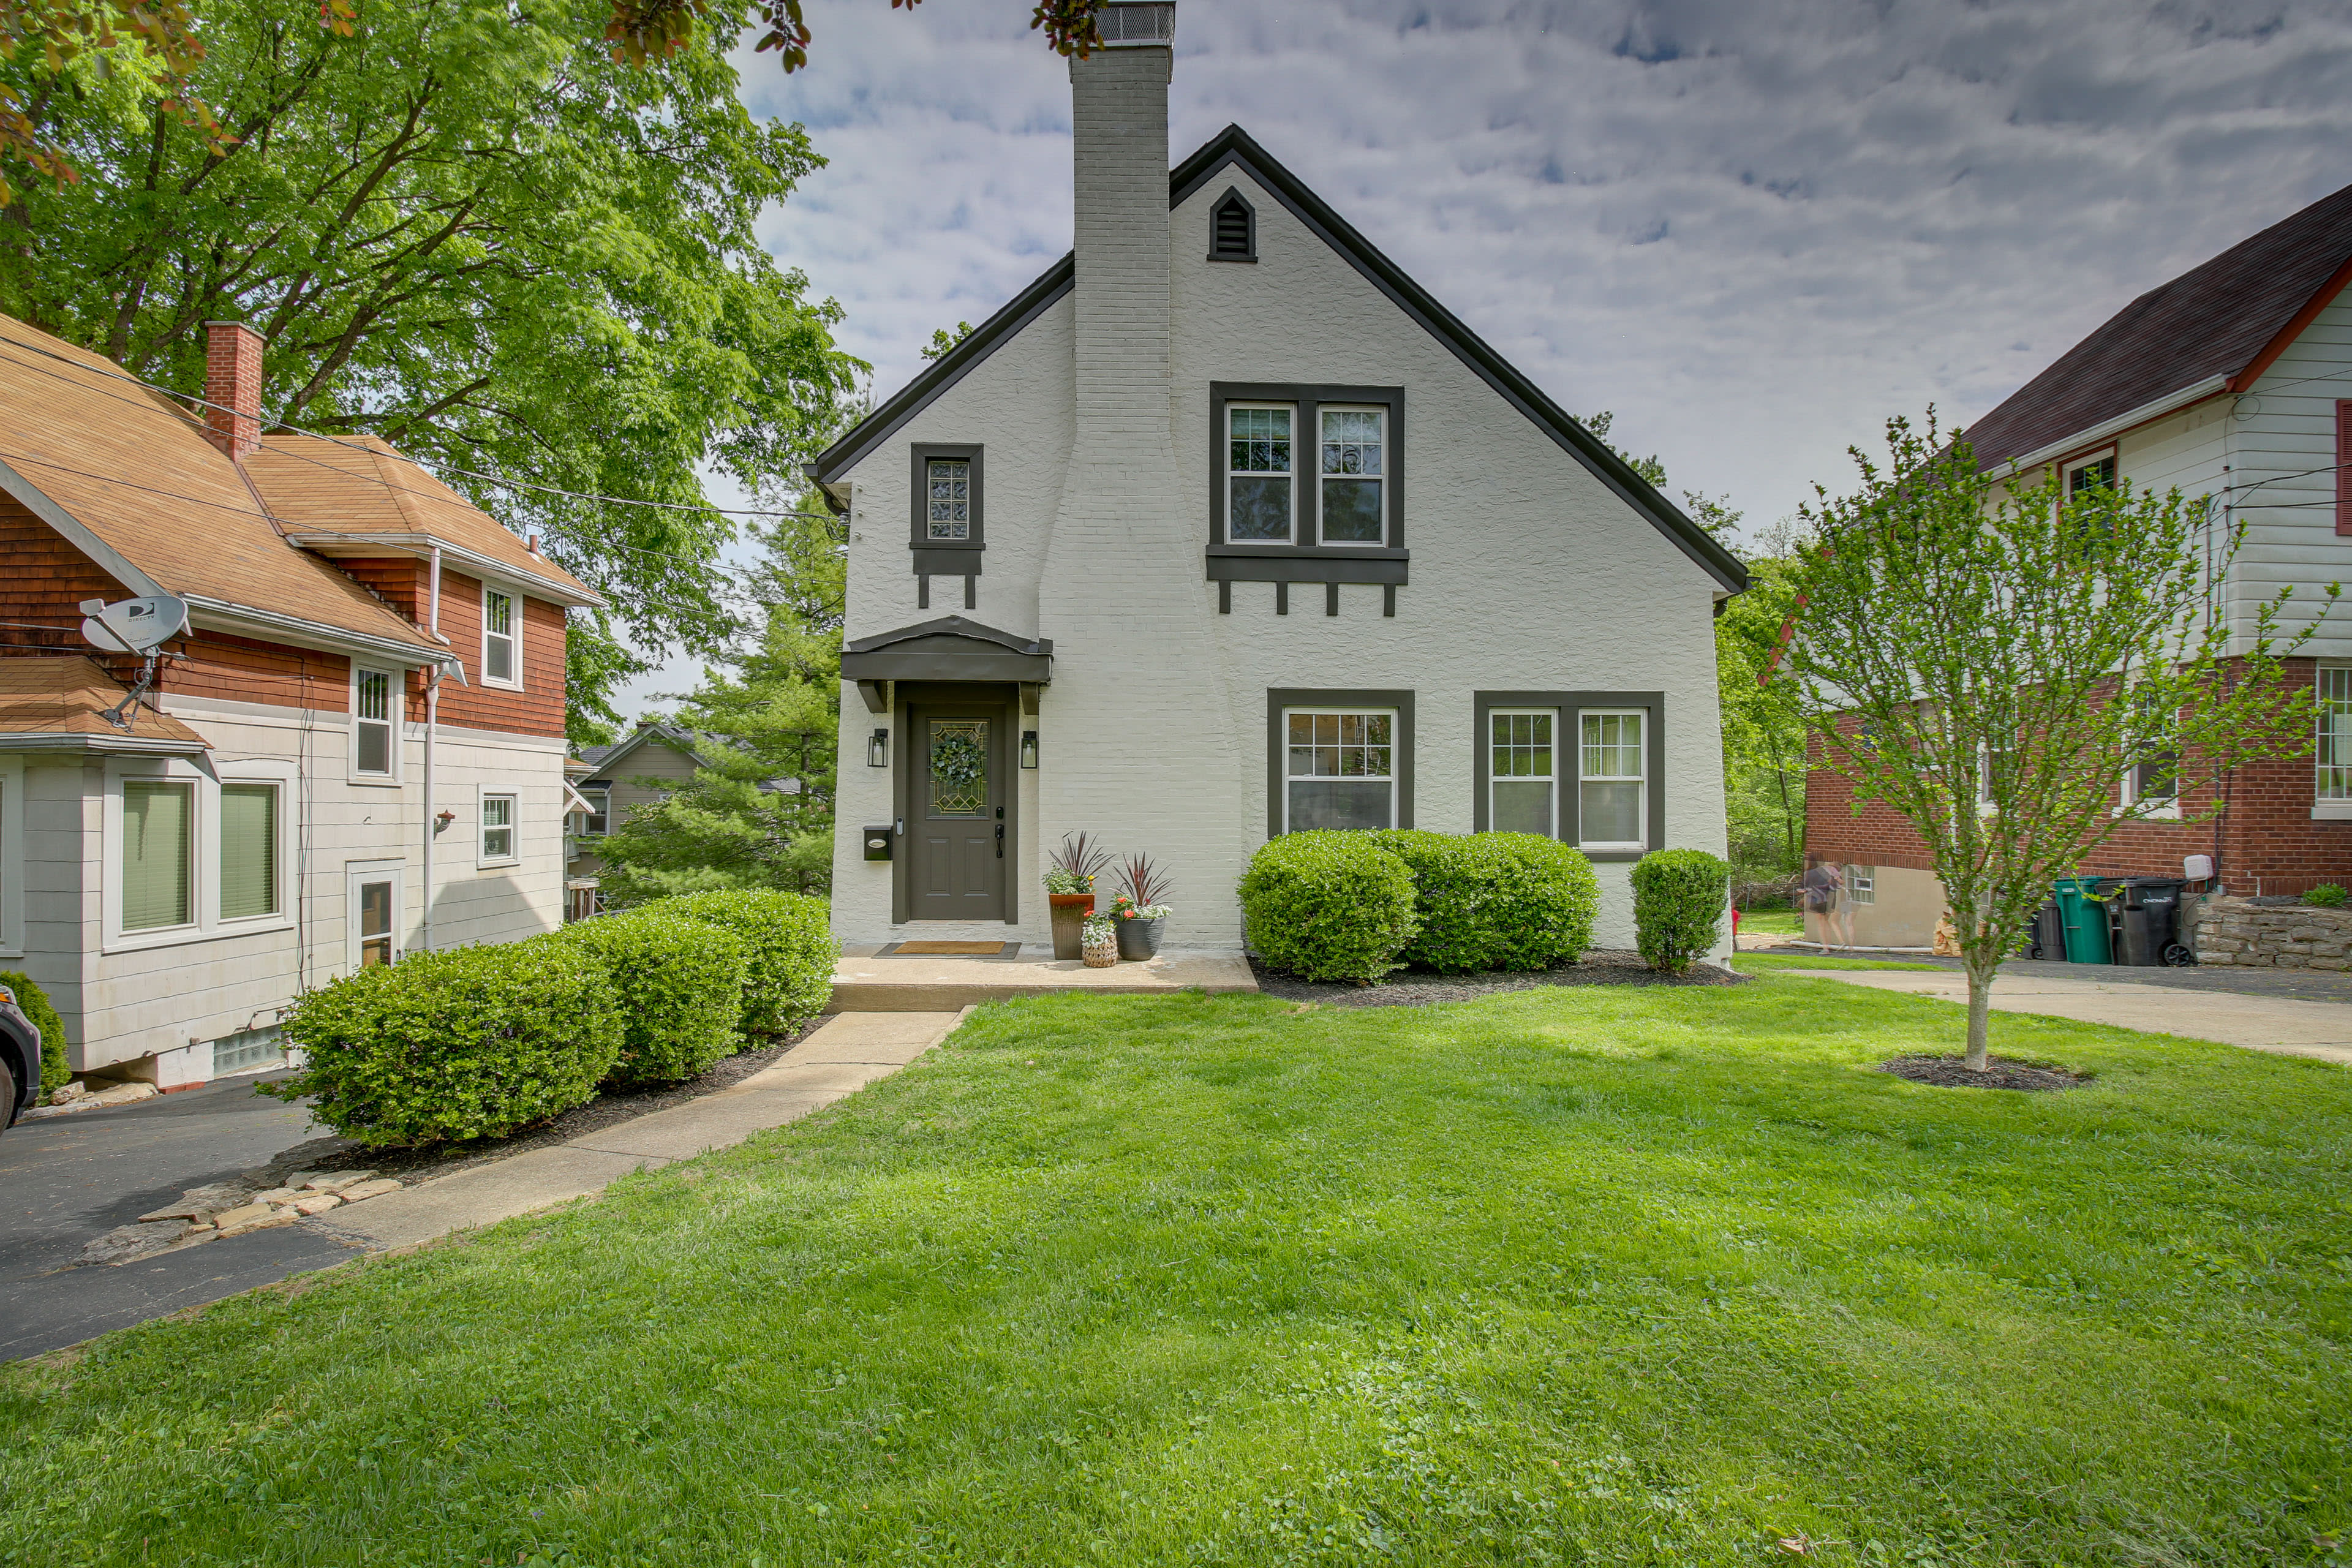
1354	906
1357	905
475	1042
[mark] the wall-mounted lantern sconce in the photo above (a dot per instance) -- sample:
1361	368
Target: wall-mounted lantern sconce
1028	748
877	750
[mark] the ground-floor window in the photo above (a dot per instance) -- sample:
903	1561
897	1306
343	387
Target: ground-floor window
1862	884
1520	783
1339	768
2334	758
158	844
1612	771
248	850
1584	767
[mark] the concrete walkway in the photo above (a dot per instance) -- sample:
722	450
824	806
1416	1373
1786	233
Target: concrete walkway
869	981
2288	1026
841	1056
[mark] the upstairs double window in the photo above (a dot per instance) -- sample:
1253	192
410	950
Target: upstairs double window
1307	468
1348	468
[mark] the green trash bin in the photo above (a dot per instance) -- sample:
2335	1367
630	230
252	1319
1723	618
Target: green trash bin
2084	918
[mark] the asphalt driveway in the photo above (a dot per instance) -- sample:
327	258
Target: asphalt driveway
65	1180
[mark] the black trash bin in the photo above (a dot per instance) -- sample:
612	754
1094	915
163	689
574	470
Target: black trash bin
2144	920
2045	935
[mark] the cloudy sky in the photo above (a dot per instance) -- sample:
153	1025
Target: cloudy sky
1751	227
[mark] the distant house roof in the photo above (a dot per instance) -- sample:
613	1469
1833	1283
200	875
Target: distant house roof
2217	326
600	758
59	704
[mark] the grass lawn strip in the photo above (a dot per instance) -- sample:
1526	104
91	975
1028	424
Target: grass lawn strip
1622	1276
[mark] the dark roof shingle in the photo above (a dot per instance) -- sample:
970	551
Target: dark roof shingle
2216	319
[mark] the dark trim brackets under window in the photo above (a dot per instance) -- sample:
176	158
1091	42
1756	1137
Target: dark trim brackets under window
947	522
1233	228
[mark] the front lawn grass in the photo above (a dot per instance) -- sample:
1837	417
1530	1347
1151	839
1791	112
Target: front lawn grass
1599	1275
1774	962
1778	922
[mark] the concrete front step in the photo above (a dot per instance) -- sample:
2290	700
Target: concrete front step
865	982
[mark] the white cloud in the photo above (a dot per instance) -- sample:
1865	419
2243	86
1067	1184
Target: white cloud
1752	228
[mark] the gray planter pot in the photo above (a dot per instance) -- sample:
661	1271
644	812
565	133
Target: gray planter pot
1140	939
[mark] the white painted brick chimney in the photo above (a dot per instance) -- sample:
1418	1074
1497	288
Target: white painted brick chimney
1124	567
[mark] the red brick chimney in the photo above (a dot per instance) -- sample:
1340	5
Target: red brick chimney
232	387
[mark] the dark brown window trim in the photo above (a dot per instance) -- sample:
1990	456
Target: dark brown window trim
1278	698
935	557
1306	465
1569	703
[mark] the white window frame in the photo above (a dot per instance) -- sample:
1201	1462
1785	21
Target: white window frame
482	798
205	923
595	796
1231	473
512	636
2092	460
396	699
1641	840
280	791
1493	778
2167	807
1862	884
357	873
1396	730
2326	806
1322	528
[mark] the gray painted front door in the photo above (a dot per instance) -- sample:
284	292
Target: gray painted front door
956	833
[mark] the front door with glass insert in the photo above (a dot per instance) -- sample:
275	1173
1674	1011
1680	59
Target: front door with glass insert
956	830
372	915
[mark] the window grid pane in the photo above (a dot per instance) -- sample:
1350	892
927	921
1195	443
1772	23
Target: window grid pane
1340	770
497	827
1353	467
2335	754
948	514
499	613
248	851
375	694
1519	770
1257	496
155	847
1609	798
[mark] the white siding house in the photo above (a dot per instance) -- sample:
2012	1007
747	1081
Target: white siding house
1059	554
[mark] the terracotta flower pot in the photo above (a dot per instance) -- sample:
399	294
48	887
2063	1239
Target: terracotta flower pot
1069	914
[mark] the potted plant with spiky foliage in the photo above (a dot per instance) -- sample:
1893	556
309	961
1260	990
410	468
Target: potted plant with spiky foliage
1141	907
1070	890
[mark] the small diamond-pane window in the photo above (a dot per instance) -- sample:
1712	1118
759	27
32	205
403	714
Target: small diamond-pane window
950	516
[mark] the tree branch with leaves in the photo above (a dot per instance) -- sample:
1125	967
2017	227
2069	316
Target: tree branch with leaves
1986	655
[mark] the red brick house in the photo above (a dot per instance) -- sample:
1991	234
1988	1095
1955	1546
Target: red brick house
2233	382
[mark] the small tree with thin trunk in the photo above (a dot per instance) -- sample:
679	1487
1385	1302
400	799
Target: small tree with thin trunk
1989	657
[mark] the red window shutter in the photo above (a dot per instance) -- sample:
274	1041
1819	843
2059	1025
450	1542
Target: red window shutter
2343	465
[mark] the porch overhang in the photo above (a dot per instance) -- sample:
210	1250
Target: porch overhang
951	649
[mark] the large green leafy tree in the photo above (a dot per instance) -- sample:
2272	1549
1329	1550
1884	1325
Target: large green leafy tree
759	812
1763	733
464	227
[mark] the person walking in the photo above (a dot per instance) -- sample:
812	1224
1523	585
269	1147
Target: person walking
1822	892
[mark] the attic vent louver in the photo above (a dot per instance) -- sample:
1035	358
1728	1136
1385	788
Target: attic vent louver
1233	231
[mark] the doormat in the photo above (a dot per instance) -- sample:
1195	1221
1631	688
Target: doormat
996	951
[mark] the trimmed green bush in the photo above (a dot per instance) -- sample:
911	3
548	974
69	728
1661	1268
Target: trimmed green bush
1328	905
34	1003
1679	896
1496	900
471	1042
2326	895
790	949
1545	900
680	983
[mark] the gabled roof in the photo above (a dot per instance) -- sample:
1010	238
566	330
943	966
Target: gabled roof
1232	148
601	758
2215	328
354	493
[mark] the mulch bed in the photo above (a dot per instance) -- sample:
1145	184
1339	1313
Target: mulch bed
2000	1072
1420	987
607	1109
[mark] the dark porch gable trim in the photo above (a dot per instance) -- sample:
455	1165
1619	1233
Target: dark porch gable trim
944	372
949	649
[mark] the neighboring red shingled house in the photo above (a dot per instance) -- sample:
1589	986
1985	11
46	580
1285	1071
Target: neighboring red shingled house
273	814
2232	381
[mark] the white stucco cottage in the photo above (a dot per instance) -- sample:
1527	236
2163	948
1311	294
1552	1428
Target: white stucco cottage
1224	527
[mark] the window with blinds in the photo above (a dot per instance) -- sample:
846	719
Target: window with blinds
157	827
248	850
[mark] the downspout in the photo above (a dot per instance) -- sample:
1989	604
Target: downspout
432	723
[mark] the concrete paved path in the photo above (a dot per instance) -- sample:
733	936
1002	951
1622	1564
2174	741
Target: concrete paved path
2289	1026
840	1057
63	1181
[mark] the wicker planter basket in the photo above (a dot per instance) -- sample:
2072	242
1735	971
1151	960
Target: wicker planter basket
1100	949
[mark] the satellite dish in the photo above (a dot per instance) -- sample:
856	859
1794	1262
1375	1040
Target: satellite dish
134	626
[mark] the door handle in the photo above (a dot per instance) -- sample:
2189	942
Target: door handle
999	841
